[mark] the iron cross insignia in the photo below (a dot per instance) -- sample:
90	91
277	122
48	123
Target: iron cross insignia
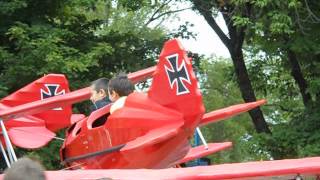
177	74
51	90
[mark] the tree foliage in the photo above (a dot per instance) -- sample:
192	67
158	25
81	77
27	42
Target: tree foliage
233	40
284	67
88	39
220	90
281	48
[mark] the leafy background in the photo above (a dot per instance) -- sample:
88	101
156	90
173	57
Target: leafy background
88	39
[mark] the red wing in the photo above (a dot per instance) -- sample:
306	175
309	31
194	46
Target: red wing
200	151
46	104
306	166
228	112
30	137
142	74
29	132
47	86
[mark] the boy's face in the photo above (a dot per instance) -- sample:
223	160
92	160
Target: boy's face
113	96
97	95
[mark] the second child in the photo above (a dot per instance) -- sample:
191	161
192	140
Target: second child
119	88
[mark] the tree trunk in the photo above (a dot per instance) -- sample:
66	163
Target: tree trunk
234	44
298	77
247	91
316	74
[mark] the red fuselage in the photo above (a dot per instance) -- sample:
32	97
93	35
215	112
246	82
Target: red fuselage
140	116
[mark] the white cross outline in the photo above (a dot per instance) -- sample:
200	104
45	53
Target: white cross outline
183	65
55	93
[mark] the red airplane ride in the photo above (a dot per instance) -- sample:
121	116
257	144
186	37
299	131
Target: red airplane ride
151	131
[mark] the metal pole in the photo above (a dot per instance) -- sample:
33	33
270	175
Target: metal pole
197	143
202	138
5	155
9	154
8	149
8	142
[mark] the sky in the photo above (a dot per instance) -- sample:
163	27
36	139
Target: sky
207	41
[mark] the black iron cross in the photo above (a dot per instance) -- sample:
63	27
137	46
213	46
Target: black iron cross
52	90
176	74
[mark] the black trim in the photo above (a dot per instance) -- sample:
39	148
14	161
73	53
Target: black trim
97	153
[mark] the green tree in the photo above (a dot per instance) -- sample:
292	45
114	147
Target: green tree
234	42
286	30
284	67
280	43
220	90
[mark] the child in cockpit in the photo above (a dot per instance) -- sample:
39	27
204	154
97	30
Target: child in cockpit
99	96
119	88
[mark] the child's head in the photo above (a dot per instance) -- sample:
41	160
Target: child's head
119	86
25	168
99	89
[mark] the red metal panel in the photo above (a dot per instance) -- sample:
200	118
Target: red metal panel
261	169
142	74
175	85
47	86
201	151
138	124
49	103
228	112
153	137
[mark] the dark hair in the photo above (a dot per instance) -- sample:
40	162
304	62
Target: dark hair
121	85
101	83
25	168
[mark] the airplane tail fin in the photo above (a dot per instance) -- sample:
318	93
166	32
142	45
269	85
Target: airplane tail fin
47	86
175	85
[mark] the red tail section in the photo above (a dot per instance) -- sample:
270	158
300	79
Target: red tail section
47	86
175	84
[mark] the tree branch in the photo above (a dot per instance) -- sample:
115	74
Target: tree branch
158	10
165	13
211	21
296	72
315	18
241	32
